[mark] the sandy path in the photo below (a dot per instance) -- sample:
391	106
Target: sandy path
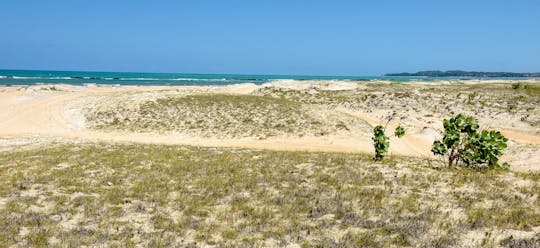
40	113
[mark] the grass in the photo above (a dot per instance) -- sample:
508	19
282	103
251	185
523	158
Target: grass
531	89
518	101
271	112
161	196
223	115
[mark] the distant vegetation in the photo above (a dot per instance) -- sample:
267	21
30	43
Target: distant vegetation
464	74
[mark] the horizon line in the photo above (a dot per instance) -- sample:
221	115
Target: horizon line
196	73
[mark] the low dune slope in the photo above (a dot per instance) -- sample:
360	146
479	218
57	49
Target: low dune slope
221	115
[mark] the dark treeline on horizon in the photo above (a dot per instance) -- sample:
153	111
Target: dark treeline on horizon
458	73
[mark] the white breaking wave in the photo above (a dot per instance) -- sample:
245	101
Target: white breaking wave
198	79
38	78
313	84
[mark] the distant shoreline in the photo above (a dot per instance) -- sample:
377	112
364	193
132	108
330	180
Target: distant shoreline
472	74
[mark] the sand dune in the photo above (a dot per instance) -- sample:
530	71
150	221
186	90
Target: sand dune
40	112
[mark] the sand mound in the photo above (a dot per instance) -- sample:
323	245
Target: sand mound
221	115
327	85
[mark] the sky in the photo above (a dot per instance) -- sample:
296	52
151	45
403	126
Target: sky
291	37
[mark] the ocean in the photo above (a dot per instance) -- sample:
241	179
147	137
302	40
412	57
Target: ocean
28	77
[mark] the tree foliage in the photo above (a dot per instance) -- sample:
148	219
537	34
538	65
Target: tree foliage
462	144
399	132
381	142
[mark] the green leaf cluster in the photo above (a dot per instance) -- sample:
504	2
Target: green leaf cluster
463	144
484	148
399	132
381	142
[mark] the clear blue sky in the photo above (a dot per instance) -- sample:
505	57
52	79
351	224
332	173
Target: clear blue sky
270	37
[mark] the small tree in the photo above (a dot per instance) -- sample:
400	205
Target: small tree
462	144
381	142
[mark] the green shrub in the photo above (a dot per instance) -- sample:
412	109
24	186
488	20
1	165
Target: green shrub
463	145
381	142
517	86
399	132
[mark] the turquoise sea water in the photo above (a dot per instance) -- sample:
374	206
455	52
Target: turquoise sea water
25	77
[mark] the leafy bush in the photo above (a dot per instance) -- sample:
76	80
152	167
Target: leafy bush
381	142
517	86
462	144
399	132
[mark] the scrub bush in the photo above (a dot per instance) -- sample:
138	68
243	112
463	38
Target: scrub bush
381	142
462	144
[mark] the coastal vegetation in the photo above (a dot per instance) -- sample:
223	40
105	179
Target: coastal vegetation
381	142
457	73
312	112
483	100
105	194
221	115
462	144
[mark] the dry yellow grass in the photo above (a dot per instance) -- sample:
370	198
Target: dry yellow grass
160	196
221	115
